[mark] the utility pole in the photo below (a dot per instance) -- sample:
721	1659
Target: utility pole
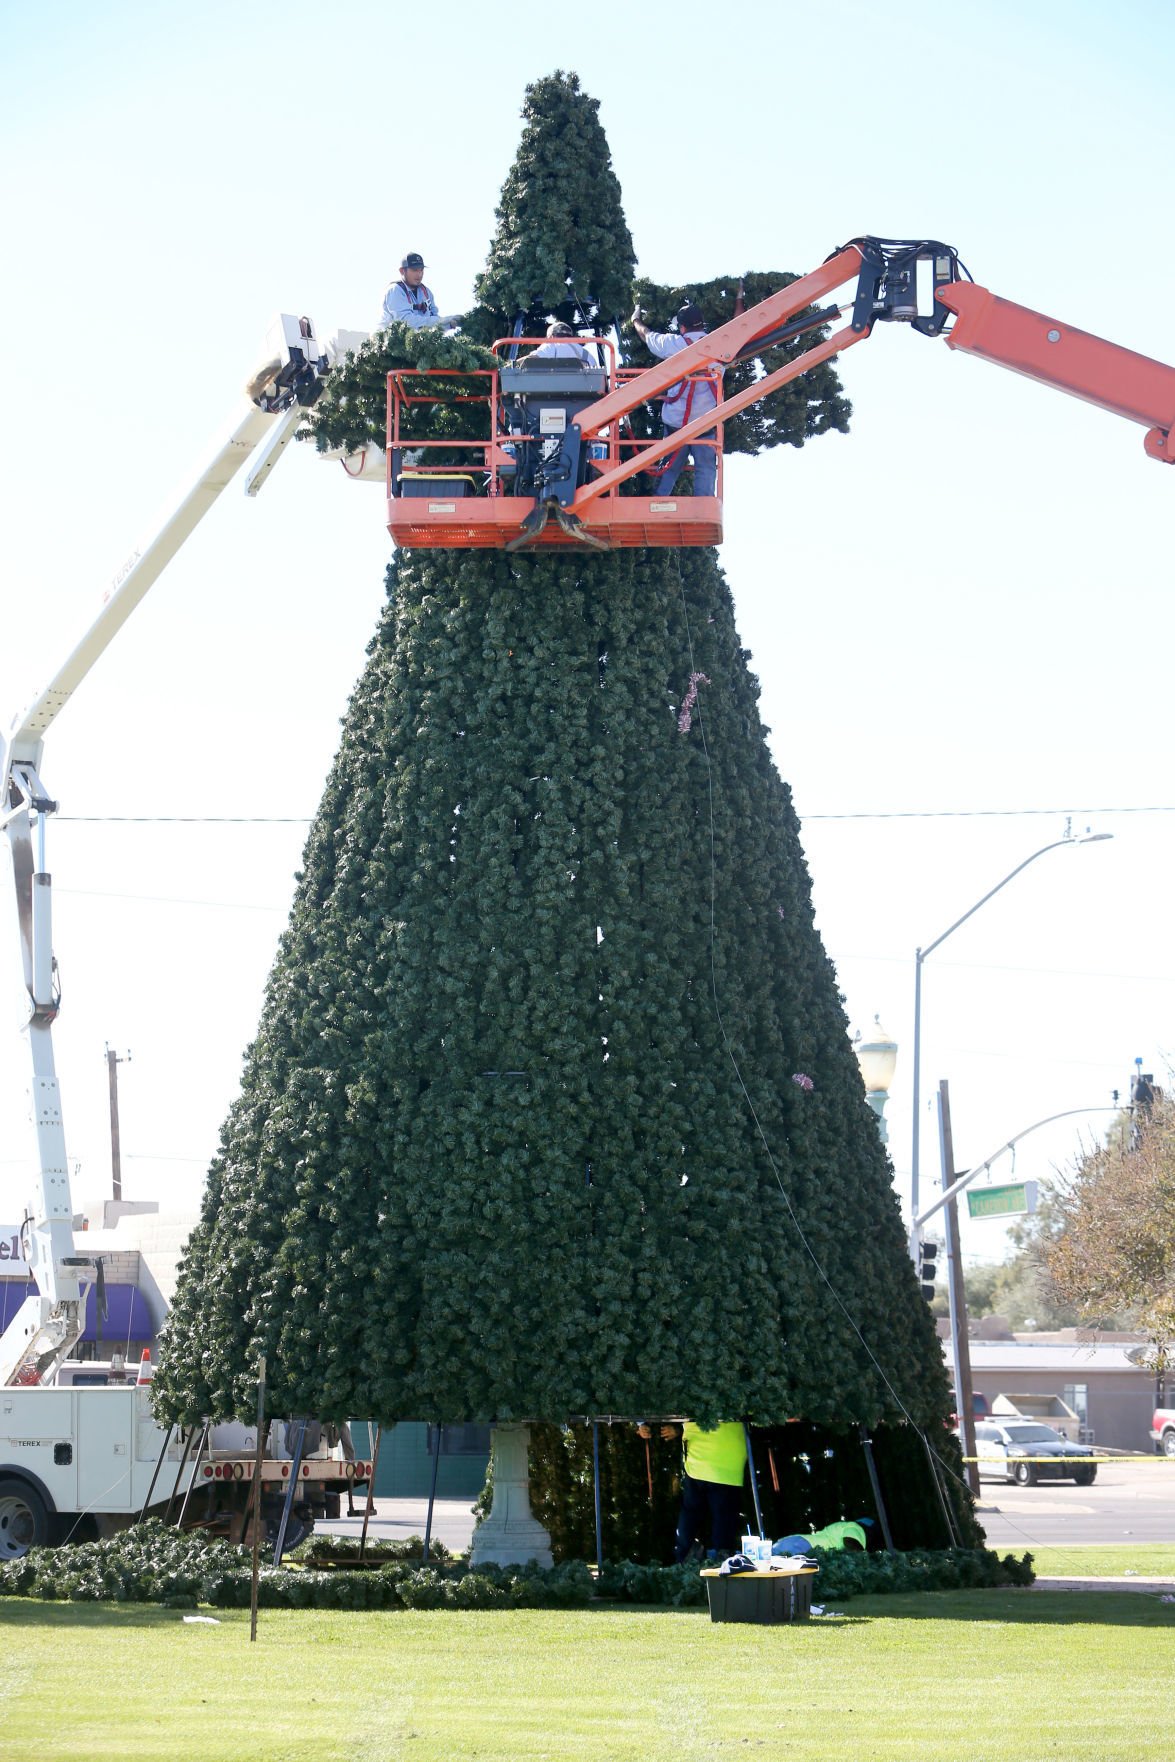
112	1063
960	1338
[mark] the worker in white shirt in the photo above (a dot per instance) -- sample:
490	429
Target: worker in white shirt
557	344
684	401
409	302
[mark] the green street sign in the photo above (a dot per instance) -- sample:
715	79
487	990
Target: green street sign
1011	1201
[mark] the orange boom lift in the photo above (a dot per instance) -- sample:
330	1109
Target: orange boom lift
561	445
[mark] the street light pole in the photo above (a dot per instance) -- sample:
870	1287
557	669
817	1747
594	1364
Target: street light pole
957	1293
920	955
957	1185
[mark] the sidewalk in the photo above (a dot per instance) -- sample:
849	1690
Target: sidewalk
452	1524
1136	1582
395	1519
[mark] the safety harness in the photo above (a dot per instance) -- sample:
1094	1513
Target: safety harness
711	379
417	305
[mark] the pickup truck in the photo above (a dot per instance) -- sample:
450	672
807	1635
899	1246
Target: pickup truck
1163	1430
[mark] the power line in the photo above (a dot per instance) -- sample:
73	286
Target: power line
982	813
895	814
227	905
903	960
189	819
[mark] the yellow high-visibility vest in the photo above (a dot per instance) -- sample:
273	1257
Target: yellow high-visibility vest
719	1454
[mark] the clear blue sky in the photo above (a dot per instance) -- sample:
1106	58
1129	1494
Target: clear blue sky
961	611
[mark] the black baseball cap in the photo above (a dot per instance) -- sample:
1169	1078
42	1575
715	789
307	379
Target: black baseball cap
691	317
413	261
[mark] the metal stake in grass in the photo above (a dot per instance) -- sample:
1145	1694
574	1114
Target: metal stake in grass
171	1497
291	1487
370	1505
867	1447
158	1465
257	1460
754	1479
596	1494
432	1496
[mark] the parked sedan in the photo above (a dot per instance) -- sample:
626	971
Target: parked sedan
1026	1452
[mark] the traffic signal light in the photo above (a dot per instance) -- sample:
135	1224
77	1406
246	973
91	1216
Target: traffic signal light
927	1267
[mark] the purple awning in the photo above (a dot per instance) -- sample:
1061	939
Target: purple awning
127	1318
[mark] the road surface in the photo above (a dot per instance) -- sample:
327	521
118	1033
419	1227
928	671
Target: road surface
1129	1502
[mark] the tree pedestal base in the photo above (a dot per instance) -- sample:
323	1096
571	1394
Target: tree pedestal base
511	1535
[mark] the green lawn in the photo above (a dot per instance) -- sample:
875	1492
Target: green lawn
983	1676
1149	1559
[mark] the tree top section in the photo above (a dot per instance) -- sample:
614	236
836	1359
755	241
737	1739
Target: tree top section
562	248
561	233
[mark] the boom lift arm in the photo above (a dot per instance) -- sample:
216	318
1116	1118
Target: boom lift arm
46	1326
573	426
1070	360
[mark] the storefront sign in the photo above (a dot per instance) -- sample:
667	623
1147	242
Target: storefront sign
12	1260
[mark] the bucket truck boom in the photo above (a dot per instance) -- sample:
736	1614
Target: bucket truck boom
288	379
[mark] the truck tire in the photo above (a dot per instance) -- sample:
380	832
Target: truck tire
1169	1442
25	1520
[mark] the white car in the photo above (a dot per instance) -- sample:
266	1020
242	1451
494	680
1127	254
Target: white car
1025	1451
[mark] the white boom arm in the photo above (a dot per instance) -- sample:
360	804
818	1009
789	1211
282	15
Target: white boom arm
46	1326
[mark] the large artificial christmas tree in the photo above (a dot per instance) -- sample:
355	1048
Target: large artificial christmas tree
552	1110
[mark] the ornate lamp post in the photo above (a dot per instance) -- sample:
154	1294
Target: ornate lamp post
877	1057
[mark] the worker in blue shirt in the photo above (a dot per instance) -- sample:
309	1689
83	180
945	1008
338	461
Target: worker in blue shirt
409	302
683	402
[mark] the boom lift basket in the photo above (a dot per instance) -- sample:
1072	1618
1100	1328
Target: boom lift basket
446	490
569	454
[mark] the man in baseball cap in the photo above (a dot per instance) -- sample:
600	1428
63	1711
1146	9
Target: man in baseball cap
409	302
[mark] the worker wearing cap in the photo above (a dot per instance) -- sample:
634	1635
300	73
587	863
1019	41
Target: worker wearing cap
685	401
561	340
408	301
714	1464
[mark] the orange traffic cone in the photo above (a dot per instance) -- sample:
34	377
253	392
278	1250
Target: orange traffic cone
146	1368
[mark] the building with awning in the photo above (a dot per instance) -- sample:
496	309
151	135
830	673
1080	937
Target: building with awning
139	1248
127	1326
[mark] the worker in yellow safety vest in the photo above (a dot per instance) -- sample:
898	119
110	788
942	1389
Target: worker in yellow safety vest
714	1465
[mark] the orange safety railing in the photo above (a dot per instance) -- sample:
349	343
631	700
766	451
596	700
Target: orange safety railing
490	458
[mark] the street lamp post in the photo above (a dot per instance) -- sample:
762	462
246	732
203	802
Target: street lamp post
920	955
877	1057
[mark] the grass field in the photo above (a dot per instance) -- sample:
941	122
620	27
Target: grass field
1151	1559
979	1676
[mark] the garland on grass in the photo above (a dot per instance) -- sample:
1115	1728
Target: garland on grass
154	1564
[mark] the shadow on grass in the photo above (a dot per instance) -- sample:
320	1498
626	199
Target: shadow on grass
1010	1607
1026	1607
33	1612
